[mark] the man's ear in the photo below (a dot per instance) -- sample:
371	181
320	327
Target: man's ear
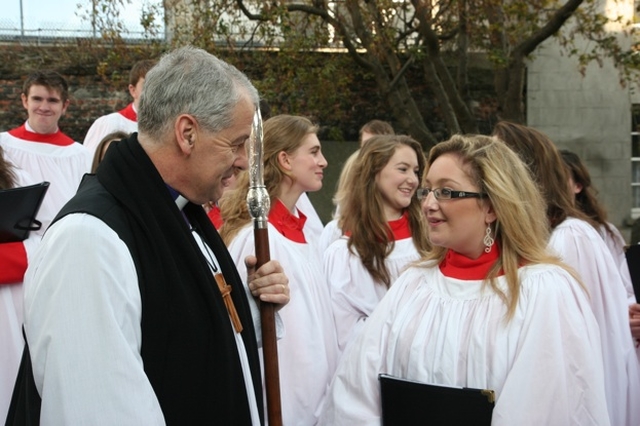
186	131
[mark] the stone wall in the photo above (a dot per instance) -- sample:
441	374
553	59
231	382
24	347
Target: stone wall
589	115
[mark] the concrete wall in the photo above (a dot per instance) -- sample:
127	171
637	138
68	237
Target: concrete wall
589	115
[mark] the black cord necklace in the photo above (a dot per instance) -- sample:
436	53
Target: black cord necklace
225	289
209	258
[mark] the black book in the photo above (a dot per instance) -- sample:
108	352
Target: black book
406	402
18	210
633	262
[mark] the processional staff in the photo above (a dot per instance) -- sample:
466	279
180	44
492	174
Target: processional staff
258	203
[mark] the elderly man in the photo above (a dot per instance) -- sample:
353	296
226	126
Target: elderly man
125	321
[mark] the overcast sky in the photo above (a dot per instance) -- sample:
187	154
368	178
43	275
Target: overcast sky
59	14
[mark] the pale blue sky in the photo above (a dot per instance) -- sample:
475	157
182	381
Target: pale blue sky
60	14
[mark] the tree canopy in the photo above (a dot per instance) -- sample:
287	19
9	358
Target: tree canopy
386	39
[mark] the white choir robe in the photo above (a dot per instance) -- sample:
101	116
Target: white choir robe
313	226
114	122
582	248
34	162
616	244
354	293
544	364
330	233
62	166
12	317
308	351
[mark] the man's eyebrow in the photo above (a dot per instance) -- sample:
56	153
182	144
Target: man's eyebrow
240	140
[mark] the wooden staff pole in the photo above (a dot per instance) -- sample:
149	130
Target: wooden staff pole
258	203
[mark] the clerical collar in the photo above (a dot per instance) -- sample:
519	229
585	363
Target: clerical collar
286	223
456	265
179	200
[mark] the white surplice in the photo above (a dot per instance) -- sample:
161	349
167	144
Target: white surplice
34	162
581	247
544	364
330	233
114	122
313	227
354	293
308	351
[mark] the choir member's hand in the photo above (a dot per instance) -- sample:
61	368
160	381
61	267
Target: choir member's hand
268	283
634	321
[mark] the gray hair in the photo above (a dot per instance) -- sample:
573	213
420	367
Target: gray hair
191	81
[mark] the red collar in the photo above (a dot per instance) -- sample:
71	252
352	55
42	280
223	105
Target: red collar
129	113
461	267
57	138
286	223
215	216
400	228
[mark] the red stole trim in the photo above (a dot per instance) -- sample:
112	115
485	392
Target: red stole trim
57	138
215	216
13	262
286	223
129	113
400	228
461	267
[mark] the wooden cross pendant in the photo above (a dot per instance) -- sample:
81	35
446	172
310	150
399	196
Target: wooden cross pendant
225	290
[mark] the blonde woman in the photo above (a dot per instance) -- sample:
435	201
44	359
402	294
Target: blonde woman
489	307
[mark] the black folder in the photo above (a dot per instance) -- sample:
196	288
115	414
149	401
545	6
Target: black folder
18	210
633	262
406	402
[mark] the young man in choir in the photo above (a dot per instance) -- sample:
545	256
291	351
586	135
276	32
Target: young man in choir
125	120
37	151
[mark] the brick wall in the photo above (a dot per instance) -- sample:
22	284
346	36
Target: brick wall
91	95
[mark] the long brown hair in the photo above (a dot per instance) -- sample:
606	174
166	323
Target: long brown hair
587	199
281	133
361	211
547	169
7	176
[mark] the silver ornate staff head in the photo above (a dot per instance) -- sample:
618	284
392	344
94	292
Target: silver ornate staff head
258	200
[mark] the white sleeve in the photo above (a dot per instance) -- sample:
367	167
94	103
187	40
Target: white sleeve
82	320
556	376
353	297
98	130
242	246
582	248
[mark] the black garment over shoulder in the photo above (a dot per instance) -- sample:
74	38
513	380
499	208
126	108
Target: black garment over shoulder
188	344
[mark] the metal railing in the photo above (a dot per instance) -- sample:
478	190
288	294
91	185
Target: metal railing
12	32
